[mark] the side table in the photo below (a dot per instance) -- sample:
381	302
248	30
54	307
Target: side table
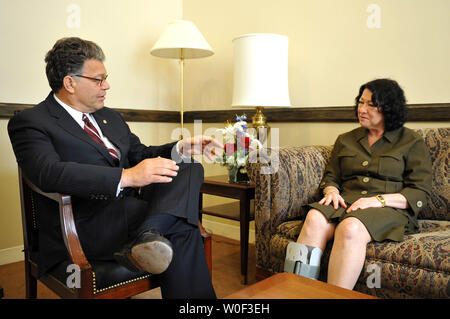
242	211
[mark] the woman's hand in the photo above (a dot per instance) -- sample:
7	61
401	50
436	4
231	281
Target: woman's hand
363	203
396	200
331	195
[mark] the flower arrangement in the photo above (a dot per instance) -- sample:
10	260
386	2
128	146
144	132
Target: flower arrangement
237	145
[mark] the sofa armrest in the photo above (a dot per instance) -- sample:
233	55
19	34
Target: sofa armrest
287	182
438	142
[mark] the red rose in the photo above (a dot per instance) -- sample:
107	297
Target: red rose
244	141
230	148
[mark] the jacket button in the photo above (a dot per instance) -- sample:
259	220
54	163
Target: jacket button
366	179
365	163
364	192
419	203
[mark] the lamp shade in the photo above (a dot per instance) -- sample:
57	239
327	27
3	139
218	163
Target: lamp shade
260	70
181	34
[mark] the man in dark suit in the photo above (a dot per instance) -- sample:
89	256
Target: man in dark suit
70	143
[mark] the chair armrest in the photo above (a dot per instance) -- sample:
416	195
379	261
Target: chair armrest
68	228
70	234
292	183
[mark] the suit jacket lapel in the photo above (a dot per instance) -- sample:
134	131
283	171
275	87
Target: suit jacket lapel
105	124
70	125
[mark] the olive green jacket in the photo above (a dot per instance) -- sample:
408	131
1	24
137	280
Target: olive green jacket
399	162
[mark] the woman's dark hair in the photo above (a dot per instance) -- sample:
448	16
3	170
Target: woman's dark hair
67	57
390	98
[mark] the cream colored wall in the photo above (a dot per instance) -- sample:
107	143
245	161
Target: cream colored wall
126	31
332	51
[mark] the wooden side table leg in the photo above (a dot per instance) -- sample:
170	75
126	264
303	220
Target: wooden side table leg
205	235
244	207
200	207
208	251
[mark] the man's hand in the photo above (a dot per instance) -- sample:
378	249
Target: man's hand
150	170
198	145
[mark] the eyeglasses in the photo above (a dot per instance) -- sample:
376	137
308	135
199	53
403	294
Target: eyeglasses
99	81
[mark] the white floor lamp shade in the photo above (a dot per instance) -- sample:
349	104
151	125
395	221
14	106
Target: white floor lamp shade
182	34
181	40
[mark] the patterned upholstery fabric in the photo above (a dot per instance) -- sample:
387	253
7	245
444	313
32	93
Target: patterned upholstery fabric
418	267
438	141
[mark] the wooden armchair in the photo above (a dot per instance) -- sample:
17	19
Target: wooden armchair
98	280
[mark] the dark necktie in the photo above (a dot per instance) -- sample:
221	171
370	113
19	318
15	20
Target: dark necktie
93	133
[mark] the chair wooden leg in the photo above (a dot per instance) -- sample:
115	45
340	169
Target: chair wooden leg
31	288
208	252
207	244
30	283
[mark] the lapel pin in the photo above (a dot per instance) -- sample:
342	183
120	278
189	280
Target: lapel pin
105	121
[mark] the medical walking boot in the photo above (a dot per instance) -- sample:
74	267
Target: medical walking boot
303	260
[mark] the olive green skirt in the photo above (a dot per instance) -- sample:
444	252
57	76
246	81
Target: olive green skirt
381	223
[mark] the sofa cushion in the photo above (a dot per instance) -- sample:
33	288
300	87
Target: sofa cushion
402	281
428	249
419	266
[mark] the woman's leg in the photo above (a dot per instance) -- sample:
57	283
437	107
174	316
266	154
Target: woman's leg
348	253
303	257
316	230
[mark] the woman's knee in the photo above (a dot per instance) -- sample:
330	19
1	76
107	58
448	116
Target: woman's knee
316	221
352	229
316	230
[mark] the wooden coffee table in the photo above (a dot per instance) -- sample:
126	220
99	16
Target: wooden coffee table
290	286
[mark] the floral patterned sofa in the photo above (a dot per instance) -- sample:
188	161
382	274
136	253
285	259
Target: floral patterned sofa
418	267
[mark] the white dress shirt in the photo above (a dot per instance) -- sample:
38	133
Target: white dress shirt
78	117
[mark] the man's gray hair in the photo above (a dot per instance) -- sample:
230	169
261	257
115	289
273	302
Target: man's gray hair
67	57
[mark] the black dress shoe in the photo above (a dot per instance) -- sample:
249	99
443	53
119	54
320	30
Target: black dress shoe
150	252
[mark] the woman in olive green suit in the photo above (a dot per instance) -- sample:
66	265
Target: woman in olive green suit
375	184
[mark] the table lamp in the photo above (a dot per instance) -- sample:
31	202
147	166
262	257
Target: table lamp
260	74
181	40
